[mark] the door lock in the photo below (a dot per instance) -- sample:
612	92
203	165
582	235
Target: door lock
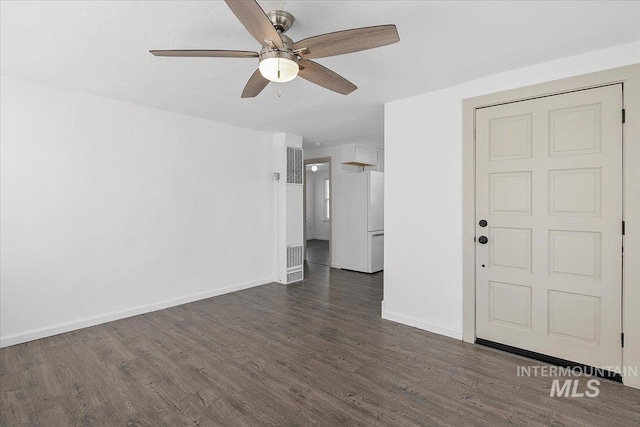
482	223
483	240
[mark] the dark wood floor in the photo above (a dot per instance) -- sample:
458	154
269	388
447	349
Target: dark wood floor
318	251
311	353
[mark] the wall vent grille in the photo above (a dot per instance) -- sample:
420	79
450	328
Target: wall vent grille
295	165
295	276
294	256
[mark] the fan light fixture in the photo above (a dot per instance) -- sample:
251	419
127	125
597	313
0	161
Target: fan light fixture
278	66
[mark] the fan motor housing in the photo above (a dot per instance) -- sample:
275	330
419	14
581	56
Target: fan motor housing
275	53
267	52
288	46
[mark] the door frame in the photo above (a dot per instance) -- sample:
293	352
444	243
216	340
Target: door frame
304	206
630	77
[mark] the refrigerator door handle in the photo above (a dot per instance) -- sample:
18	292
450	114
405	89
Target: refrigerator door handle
377	234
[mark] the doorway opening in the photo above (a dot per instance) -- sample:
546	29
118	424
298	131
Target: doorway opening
317	211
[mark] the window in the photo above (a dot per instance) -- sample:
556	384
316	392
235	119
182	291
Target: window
327	201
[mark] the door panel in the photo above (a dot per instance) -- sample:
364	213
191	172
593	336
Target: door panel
549	185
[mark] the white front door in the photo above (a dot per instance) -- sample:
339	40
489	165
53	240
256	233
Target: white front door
549	186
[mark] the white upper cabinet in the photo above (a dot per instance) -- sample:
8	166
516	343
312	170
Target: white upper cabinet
359	155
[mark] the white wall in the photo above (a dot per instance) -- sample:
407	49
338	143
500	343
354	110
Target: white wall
310	203
317	226
289	217
423	189
321	225
337	169
111	209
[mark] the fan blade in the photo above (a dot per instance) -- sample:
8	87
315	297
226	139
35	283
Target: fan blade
193	53
324	77
255	85
347	41
251	15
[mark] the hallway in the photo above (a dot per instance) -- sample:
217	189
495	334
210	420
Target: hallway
318	252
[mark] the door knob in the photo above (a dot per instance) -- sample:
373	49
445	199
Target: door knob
483	240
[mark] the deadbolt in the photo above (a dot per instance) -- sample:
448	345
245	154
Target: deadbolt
482	223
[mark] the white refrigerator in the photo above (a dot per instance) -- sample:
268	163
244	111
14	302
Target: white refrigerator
362	210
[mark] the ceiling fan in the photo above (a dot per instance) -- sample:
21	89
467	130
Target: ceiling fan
282	59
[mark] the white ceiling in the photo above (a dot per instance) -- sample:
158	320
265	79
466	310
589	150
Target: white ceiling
102	47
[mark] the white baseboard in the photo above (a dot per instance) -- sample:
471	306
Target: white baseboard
60	328
420	324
